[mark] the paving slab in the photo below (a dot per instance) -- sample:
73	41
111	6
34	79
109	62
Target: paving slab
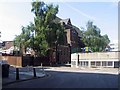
23	75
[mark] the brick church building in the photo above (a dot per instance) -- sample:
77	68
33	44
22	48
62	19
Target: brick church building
72	43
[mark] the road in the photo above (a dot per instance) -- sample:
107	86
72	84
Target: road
58	78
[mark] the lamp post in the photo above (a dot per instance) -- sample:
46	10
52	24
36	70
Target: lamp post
78	60
70	45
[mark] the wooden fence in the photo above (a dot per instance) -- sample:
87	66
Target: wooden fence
22	61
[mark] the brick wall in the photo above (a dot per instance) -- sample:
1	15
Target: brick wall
64	54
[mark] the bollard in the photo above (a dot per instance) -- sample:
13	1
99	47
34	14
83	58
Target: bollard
41	65
34	72
78	60
17	73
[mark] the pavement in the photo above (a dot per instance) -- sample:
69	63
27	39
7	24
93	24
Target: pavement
25	73
115	71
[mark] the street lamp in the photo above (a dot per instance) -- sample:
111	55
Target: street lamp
70	45
78	60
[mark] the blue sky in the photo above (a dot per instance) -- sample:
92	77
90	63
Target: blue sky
103	14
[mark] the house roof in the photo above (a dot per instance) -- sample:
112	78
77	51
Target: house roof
77	29
66	21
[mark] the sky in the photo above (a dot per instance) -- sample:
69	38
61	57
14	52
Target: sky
14	15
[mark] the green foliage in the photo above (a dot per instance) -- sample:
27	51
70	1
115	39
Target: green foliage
45	31
93	38
24	39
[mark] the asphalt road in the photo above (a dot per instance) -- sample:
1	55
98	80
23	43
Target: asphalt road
63	79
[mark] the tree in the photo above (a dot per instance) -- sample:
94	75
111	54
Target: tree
45	30
23	40
92	37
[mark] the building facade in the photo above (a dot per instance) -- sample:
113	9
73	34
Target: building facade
73	35
8	47
8	44
114	46
101	59
72	42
